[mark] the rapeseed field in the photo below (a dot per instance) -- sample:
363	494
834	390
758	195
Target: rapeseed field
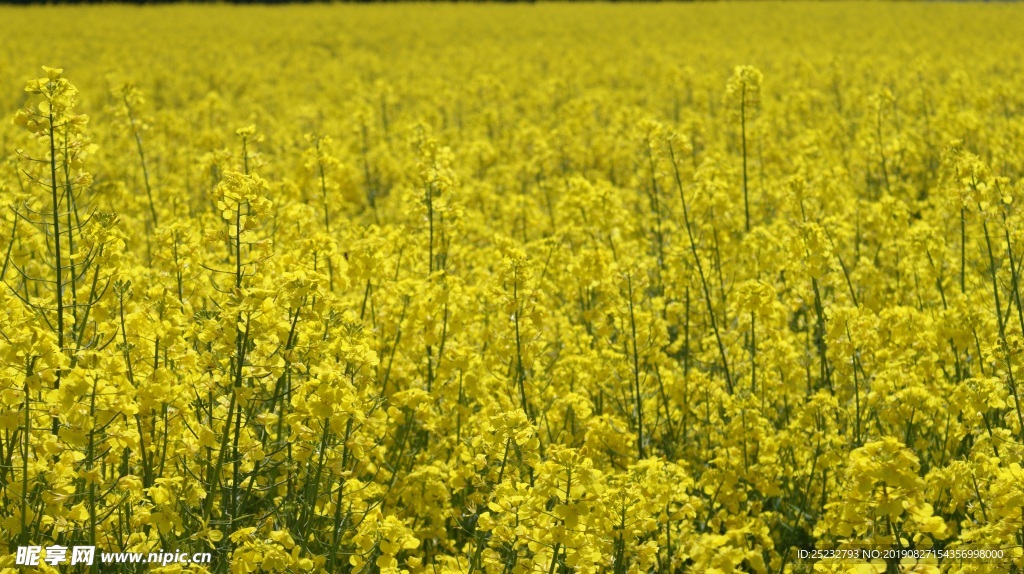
438	289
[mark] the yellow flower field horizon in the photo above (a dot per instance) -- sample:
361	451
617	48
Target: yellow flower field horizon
500	289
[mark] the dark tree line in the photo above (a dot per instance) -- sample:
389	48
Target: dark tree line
141	2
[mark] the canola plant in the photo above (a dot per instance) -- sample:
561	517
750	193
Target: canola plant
507	289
